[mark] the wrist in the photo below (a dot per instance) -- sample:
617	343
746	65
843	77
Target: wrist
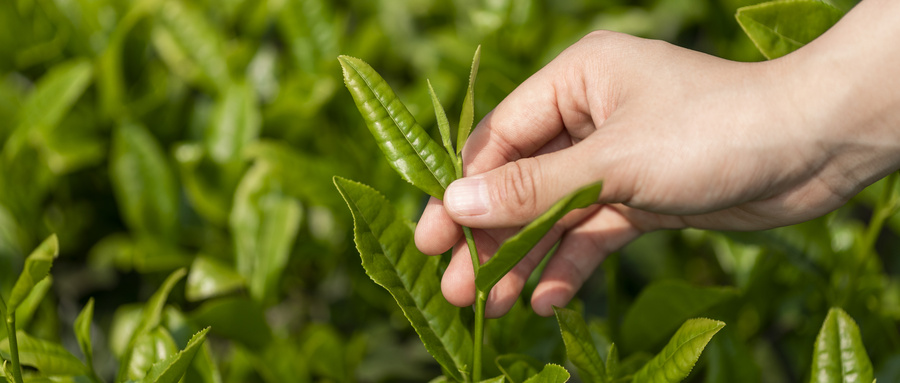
844	92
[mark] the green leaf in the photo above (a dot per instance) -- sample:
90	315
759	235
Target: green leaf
390	257
499	379
191	47
149	348
150	318
612	363
839	354
550	374
443	124
517	368
408	148
143	183
730	360
516	247
83	332
50	101
37	267
173	368
239	319
29	306
676	360
264	223
47	357
580	346
234	125
209	277
467	116
781	27
662	307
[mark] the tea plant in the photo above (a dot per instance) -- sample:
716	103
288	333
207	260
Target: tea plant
151	355
386	245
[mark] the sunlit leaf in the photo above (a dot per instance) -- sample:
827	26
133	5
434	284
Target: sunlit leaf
46	106
83	332
150	318
173	368
149	348
47	357
191	46
264	223
781	27
579	346
516	247
467	116
839	354
37	267
389	255
234	125
407	146
144	185
550	374
209	277
662	307
676	360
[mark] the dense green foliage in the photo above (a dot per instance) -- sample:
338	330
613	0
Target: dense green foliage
155	135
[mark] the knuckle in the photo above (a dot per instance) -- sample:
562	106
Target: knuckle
518	186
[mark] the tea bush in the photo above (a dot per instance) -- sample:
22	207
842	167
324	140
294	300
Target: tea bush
155	136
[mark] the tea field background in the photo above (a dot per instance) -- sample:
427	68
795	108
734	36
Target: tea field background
152	135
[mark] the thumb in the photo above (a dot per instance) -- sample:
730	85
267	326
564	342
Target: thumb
517	192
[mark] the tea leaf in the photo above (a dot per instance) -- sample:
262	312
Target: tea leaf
37	267
209	277
149	320
83	332
499	379
46	106
781	27
143	183
264	223
191	46
173	368
839	354
518	368
443	124
516	247
409	149
234	125
579	346
467	116
676	360
47	357
550	374
390	257
612	363
662	307
239	319
149	348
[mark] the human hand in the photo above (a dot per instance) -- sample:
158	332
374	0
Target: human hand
680	138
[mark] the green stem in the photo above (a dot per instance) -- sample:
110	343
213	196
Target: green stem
13	346
884	209
479	336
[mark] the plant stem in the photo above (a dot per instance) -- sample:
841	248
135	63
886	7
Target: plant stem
479	309
479	336
13	346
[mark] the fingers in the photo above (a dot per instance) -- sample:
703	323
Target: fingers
436	232
458	285
580	252
516	193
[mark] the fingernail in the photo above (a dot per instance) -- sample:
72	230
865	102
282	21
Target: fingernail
467	196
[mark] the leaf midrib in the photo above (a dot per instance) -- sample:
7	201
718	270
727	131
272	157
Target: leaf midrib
396	123
421	310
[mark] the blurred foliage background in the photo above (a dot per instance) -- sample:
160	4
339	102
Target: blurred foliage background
158	134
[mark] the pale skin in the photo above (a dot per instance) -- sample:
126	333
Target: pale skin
680	139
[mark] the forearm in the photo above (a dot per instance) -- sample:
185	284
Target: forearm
846	85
